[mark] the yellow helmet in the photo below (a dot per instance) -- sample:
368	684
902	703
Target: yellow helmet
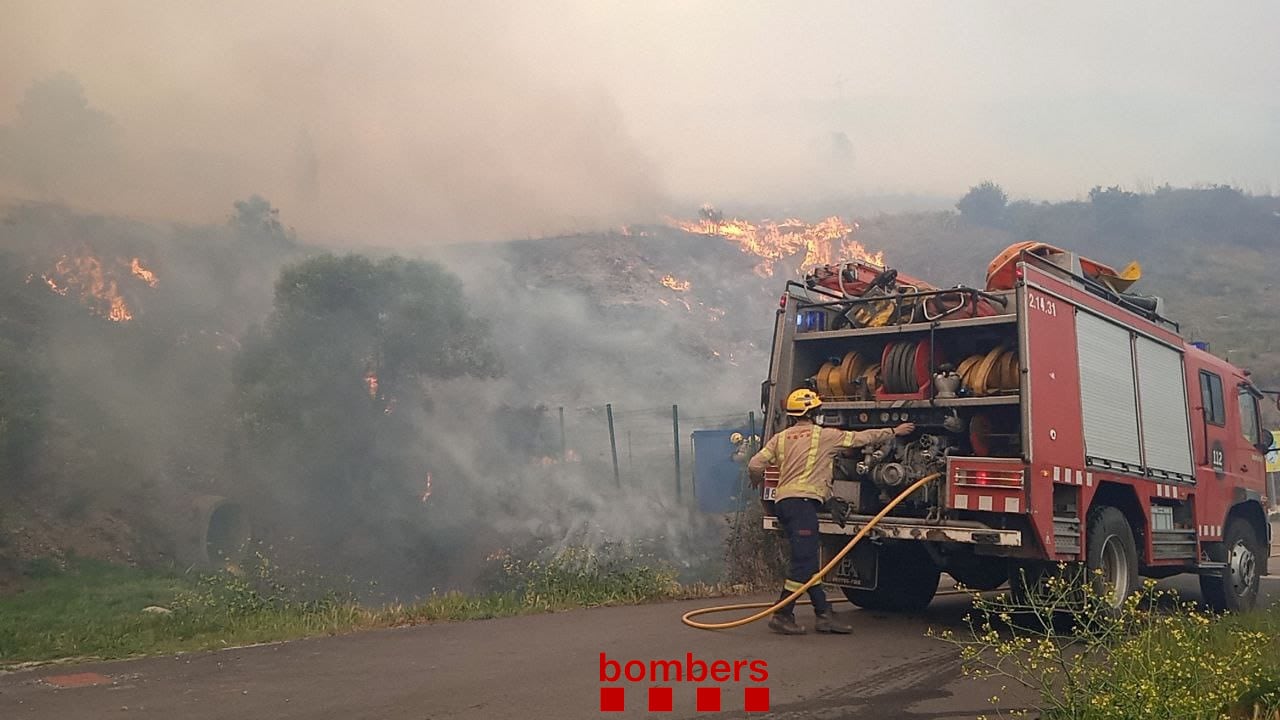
802	401
736	438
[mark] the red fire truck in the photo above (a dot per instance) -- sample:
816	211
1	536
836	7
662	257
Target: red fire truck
1068	418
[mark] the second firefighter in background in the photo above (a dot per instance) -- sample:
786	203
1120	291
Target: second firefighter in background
805	455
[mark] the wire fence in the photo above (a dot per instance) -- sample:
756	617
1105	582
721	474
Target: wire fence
648	447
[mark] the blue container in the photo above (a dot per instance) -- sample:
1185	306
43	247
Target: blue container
719	482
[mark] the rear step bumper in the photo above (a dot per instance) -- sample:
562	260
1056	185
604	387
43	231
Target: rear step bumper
902	531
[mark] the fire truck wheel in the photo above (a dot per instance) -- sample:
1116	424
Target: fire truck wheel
1237	591
1027	581
1111	556
907	580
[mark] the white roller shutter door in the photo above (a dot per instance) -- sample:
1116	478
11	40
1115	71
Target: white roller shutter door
1162	388
1108	398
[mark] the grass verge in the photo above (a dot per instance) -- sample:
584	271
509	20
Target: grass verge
95	610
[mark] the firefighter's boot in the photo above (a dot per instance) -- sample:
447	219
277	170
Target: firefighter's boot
785	625
828	622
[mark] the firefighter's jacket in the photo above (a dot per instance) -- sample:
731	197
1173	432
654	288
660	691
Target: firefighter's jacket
805	455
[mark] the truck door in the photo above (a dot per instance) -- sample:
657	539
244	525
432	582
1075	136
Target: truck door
1248	460
1219	445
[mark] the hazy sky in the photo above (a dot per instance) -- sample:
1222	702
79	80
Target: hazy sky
383	122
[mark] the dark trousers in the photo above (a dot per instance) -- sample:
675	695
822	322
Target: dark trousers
799	520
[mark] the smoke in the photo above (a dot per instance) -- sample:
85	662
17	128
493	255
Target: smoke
580	322
145	415
395	124
409	124
54	134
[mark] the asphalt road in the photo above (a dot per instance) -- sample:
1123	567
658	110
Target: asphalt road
545	666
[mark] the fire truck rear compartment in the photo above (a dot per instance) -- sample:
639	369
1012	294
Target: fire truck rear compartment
982	419
1042	407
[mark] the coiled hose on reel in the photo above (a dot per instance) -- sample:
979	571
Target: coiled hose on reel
769	609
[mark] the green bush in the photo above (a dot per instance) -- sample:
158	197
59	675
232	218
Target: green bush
264	588
1156	657
583	576
753	558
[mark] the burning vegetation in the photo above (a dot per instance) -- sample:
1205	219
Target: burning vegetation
827	242
95	284
142	273
678	285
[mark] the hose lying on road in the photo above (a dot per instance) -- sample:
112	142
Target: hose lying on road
769	609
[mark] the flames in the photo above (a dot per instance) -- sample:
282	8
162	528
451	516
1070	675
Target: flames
677	285
827	242
97	284
95	287
143	274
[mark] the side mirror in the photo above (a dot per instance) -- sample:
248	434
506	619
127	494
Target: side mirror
1268	443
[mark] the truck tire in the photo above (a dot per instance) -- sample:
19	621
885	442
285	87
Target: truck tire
907	581
1237	589
1109	548
1027	581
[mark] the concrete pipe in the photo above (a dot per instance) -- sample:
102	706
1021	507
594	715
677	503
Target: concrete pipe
222	530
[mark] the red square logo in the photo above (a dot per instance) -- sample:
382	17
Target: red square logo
755	699
659	699
612	699
708	699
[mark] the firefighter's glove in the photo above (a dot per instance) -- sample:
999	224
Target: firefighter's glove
839	510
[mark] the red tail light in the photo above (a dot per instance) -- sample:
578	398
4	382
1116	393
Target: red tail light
973	477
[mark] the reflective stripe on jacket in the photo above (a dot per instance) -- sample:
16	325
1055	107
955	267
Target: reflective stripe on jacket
805	454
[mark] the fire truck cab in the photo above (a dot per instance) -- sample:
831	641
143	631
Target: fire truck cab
1069	420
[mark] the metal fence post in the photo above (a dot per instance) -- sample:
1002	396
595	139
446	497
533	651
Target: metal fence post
613	444
675	435
564	453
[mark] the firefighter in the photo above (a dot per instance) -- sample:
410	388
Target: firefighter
804	454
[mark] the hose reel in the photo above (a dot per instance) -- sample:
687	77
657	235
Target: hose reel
906	366
992	373
853	377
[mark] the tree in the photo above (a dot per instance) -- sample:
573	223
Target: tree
329	390
1116	212
984	204
23	385
709	213
57	138
256	219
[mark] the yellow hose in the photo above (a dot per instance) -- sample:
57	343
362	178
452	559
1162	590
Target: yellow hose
687	618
